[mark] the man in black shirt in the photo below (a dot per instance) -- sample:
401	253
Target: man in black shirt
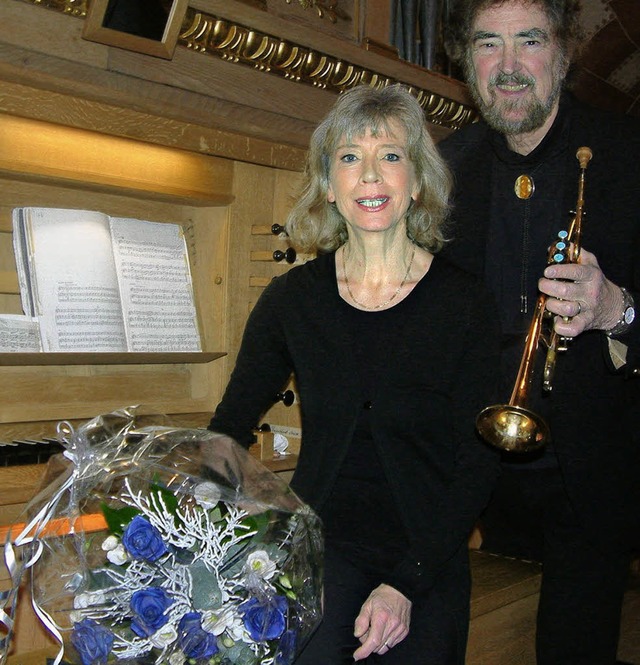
574	504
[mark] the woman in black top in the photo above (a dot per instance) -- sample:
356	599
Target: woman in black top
393	351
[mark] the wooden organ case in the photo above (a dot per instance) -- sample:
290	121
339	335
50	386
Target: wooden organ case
211	135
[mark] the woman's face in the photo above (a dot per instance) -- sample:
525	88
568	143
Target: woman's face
372	181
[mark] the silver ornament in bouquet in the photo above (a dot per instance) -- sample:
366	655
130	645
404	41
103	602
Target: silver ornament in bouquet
163	545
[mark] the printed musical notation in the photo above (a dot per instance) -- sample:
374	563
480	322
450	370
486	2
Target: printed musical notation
96	283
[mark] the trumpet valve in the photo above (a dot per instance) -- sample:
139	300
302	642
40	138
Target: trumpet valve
559	251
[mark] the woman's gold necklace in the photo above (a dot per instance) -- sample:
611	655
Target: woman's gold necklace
386	302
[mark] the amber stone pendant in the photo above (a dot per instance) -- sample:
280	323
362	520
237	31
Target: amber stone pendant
524	187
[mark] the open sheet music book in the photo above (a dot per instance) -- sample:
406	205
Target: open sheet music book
19	334
104	284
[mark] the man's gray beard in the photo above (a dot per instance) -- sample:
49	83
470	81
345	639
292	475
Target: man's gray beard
536	112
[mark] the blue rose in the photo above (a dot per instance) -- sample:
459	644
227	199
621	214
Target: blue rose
287	648
143	541
194	641
92	641
264	620
148	607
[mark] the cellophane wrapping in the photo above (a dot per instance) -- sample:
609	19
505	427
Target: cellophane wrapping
172	545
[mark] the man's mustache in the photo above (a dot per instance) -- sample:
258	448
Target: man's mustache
516	78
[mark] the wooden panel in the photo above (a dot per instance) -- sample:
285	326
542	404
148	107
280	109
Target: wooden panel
286	187
131	358
61	392
264	118
9	282
37	657
32	102
274	190
498	581
377	21
237	11
43	429
58	393
252	205
34	149
504	601
18	484
32	642
341	22
505	636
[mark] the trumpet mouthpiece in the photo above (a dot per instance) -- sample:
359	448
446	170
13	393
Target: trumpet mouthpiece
584	155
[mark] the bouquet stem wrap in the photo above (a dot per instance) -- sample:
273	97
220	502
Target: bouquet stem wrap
167	545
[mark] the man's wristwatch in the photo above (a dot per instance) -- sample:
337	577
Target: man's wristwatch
628	315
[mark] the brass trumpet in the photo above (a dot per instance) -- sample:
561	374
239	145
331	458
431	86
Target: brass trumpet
513	426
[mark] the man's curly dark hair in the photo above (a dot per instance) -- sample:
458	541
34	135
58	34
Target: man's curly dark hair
564	16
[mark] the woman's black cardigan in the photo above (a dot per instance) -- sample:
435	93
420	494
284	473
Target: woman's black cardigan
440	373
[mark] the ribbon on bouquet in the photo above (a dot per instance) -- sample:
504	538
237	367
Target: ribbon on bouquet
31	533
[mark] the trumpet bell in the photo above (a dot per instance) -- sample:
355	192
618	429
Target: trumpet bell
512	428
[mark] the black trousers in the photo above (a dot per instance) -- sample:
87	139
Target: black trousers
583	587
439	622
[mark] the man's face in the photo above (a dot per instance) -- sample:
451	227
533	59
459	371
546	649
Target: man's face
516	68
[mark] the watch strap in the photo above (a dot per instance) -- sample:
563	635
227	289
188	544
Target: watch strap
627	317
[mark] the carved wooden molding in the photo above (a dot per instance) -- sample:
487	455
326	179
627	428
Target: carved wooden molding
71	7
328	8
207	34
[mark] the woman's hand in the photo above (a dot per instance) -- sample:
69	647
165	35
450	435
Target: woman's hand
383	621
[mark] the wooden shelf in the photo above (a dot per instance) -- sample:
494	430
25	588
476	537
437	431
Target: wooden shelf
131	358
39	657
500	580
281	463
18	484
52	153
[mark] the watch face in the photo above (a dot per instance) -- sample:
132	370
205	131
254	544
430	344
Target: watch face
629	315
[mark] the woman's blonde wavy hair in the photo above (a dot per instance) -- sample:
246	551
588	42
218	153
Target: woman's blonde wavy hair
314	224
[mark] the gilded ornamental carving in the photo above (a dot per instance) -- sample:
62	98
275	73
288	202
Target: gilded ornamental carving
328	9
207	34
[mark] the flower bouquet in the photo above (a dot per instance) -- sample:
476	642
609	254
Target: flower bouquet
163	545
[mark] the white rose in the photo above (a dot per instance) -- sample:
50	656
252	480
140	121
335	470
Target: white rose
118	555
164	636
261	565
218	622
84	600
207	495
176	658
239	632
110	543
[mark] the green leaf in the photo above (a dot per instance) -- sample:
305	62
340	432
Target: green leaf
117	519
258	523
169	498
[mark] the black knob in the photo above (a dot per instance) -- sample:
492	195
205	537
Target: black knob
278	229
288	255
287	397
